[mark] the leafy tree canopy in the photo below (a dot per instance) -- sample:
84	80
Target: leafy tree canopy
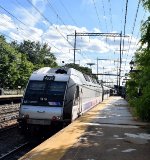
39	54
13	65
138	88
84	70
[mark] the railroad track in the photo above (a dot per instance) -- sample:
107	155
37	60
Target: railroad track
15	151
8	115
8	128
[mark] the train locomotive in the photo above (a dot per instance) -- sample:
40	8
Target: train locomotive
58	96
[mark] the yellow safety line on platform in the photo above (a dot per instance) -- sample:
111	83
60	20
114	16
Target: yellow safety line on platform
55	147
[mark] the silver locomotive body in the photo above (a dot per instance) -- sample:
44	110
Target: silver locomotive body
57	96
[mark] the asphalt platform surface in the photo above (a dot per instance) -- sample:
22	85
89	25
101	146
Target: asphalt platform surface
109	132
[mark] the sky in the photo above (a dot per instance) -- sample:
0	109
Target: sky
55	21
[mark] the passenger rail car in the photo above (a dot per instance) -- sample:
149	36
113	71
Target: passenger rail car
57	95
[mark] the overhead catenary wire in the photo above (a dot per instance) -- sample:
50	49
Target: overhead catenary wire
21	28
20	5
125	21
134	23
122	14
67	11
48	21
110	13
41	36
15	19
5	35
122	40
135	19
58	16
136	43
104	15
124	28
97	15
26	27
12	15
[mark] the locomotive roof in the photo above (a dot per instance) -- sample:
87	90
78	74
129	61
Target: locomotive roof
58	72
48	70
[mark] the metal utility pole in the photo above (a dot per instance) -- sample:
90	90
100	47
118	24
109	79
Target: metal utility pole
74	51
75	36
105	35
120	60
117	78
91	64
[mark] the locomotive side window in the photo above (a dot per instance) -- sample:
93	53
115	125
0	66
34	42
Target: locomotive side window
86	77
76	96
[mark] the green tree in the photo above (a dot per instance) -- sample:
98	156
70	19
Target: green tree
11	64
146	26
39	54
84	70
25	68
138	88
146	4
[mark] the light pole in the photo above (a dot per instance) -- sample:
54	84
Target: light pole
131	64
90	64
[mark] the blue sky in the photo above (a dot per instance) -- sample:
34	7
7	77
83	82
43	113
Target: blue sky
20	19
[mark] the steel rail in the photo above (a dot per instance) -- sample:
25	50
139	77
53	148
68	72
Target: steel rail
14	151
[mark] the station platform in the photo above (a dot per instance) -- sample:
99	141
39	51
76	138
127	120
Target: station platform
106	132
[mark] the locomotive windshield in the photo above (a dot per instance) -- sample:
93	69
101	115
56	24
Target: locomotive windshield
45	93
35	86
56	87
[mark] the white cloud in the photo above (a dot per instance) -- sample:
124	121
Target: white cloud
56	37
30	16
87	2
6	23
36	1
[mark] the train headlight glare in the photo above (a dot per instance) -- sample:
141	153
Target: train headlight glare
24	116
21	115
41	99
45	99
55	118
58	117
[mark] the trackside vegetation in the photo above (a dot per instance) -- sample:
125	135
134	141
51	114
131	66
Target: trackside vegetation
18	61
138	87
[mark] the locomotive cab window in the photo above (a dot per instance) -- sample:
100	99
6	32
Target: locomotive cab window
45	93
35	86
56	87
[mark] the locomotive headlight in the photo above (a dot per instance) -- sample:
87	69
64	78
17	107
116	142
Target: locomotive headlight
41	98
55	118
21	115
58	118
25	116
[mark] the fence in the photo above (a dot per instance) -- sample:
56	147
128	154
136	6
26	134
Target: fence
11	92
